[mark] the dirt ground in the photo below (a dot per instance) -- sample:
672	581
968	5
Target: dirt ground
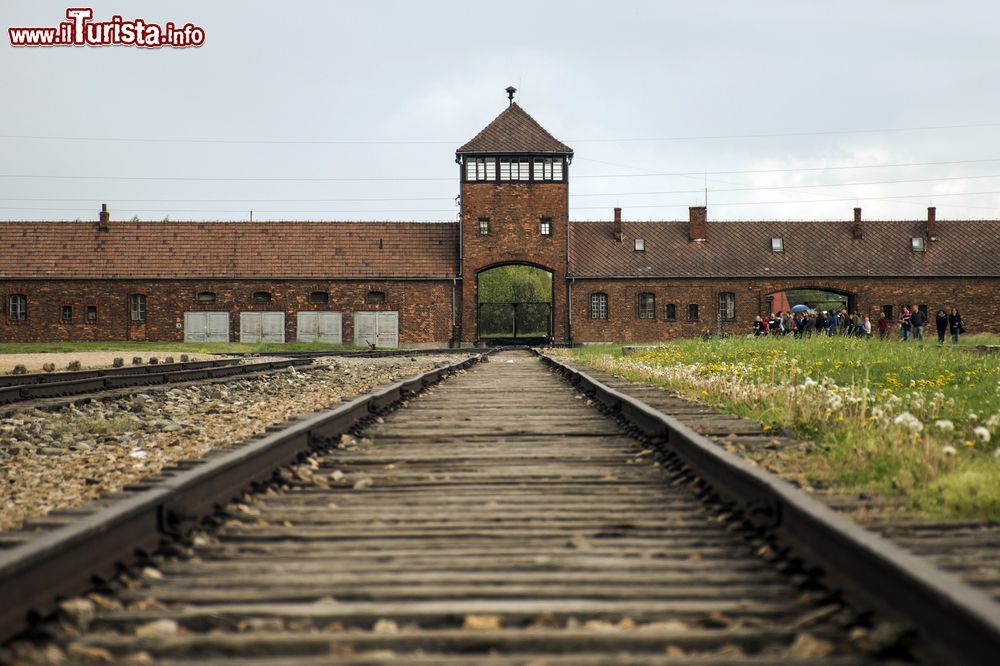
95	359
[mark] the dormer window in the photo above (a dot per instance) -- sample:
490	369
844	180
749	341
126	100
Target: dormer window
917	244
777	244
640	245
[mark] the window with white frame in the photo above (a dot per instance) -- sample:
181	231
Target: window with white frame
647	306
137	307
512	168
545	226
727	305
480	168
17	307
598	306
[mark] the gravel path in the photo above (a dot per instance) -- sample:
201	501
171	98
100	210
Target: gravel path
95	359
62	459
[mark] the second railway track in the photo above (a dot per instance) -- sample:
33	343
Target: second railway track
499	519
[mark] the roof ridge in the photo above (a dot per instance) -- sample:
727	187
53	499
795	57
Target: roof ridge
514	131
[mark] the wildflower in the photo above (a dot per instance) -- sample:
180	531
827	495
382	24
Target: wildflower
948	450
908	420
973	416
982	433
993	422
944	425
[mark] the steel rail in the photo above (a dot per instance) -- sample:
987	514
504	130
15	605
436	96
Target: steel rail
64	561
75	383
870	570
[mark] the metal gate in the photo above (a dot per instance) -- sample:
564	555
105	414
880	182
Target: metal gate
380	329
521	322
206	327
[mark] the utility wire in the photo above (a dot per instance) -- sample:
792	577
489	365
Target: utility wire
366	142
451	178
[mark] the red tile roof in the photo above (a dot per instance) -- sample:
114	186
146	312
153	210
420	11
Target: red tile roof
514	132
228	249
743	249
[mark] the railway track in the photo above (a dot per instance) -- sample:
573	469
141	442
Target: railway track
500	518
968	548
18	388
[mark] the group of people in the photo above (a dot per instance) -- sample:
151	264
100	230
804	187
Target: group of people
912	321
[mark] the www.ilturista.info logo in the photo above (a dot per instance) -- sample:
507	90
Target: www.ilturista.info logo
79	30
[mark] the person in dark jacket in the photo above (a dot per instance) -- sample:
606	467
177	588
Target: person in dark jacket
883	326
941	322
917	321
955	324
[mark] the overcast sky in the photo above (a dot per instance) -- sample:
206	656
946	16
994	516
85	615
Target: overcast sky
641	90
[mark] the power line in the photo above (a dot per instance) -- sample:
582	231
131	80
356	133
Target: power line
572	196
320	141
403	210
451	178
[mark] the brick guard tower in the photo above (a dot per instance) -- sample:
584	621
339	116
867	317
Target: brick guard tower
514	210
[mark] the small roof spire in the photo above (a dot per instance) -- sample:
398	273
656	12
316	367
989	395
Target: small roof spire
510	94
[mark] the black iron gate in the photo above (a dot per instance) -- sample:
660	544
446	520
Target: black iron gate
520	322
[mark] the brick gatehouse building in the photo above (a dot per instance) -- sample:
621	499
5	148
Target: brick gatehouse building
416	283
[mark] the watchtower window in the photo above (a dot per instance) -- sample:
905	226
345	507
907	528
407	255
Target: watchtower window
548	169
545	227
514	169
480	168
484	226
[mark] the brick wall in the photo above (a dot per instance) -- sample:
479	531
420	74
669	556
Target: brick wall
515	211
424	307
977	299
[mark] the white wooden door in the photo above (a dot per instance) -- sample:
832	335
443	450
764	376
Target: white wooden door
319	327
206	327
378	328
262	327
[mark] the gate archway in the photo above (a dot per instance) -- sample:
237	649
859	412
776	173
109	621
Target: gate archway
514	304
817	298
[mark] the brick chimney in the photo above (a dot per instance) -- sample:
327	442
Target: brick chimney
697	223
931	223
618	233
856	230
104	219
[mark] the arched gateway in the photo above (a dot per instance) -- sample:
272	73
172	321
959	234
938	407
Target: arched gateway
514	304
515	211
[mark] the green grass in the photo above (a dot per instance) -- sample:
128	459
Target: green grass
180	347
915	420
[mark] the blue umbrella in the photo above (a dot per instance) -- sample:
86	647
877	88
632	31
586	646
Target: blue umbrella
800	308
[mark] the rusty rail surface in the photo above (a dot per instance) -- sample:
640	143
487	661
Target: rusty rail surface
64	561
34	386
871	570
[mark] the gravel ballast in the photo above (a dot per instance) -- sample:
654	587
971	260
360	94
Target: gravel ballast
65	458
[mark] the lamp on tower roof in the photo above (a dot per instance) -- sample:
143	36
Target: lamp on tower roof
510	94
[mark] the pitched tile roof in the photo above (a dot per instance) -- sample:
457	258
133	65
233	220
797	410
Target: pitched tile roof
228	249
743	249
514	131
